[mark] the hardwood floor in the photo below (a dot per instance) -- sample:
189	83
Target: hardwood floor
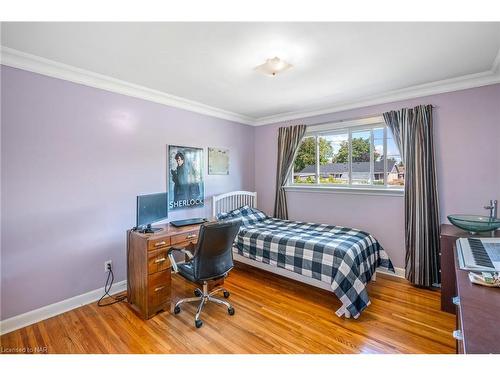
273	315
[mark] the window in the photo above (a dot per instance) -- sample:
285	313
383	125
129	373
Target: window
354	154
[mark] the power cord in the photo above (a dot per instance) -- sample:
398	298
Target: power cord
107	289
110	274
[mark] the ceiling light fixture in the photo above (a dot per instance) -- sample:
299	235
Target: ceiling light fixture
273	66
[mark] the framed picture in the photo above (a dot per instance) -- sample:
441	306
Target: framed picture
218	161
185	177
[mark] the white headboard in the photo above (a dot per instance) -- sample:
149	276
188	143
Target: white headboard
232	200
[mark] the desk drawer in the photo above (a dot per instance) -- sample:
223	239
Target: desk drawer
158	261
185	237
159	289
158	243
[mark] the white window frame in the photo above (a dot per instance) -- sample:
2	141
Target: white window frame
348	127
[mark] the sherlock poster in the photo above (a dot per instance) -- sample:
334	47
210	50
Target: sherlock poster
185	177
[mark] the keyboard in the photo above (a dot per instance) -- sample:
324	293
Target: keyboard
479	254
193	221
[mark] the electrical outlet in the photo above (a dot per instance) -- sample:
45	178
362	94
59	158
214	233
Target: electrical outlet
108	265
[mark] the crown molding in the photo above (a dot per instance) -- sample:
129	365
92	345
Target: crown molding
36	64
486	78
495	68
22	60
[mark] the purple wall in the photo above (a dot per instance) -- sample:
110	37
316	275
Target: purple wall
467	139
73	160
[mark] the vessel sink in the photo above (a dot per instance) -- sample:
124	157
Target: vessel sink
474	223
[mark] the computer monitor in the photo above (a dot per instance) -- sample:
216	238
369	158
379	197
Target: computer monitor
151	208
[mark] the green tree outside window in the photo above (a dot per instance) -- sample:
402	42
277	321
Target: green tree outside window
307	153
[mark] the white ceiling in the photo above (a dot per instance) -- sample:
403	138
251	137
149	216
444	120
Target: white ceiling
213	63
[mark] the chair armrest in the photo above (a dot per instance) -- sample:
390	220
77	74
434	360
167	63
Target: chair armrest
184	251
172	259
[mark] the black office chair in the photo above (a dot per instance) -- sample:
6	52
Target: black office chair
212	259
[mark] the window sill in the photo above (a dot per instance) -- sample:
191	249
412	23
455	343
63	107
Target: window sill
393	192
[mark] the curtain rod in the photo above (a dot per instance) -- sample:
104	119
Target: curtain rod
351	119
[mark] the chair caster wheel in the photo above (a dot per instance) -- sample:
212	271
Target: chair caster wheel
226	294
177	310
230	311
198	323
197	293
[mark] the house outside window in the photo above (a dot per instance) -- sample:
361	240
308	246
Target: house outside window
354	154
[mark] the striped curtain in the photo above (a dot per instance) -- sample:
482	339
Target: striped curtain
289	139
412	130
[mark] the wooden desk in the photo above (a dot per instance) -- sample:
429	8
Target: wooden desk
149	269
478	315
449	235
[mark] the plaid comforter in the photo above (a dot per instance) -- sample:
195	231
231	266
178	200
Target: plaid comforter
345	258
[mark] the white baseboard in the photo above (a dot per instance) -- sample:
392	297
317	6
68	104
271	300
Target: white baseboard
399	272
34	316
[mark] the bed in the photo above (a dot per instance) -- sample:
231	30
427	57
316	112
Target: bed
330	257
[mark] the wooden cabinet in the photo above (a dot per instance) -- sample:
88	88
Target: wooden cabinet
149	269
478	309
449	235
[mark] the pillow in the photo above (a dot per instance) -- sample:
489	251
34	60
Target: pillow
232	214
246	214
255	215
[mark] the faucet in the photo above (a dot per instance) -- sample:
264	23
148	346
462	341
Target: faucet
493	208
